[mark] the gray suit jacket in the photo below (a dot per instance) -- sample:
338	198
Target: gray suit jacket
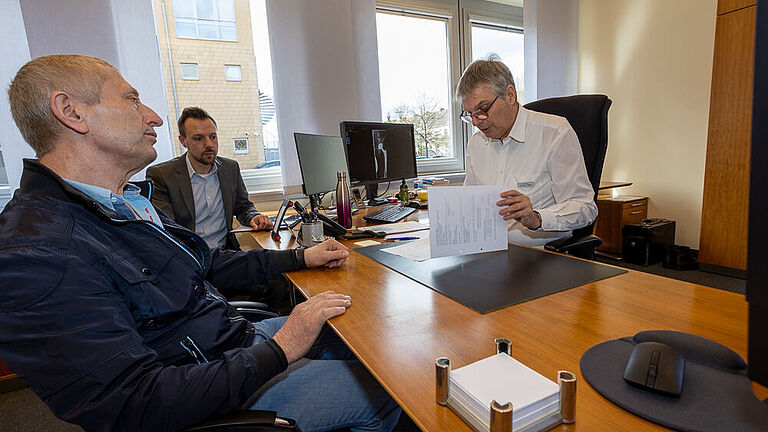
173	193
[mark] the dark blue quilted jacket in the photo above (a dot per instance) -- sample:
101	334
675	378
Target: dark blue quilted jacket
115	324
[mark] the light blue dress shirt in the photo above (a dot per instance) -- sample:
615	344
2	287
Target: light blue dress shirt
210	221
141	206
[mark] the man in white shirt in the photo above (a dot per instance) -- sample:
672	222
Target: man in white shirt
537	156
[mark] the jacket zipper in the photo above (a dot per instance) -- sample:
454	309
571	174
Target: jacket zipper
192	349
166	234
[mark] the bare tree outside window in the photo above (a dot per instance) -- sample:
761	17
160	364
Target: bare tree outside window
430	125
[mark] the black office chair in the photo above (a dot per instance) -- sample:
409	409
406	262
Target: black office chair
588	116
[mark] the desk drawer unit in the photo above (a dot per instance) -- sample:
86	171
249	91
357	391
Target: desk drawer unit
614	213
634	212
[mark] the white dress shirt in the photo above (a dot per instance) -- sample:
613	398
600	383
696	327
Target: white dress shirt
540	158
210	221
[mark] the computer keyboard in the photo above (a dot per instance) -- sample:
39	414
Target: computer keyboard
389	214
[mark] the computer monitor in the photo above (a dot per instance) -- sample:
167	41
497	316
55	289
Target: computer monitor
320	158
757	271
378	152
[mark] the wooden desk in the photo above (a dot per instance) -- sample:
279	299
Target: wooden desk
397	327
605	185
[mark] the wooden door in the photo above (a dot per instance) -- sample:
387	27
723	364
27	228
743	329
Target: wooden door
724	220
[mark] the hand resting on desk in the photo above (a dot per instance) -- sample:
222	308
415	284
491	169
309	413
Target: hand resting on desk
307	319
260	222
329	253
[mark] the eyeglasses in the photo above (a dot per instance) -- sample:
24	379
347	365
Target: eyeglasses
482	114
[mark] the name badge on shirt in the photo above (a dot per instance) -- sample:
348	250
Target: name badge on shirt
525	185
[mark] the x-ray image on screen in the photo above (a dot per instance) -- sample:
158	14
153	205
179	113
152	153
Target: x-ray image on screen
380	152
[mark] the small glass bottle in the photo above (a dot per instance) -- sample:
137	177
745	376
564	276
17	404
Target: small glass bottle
403	193
343	203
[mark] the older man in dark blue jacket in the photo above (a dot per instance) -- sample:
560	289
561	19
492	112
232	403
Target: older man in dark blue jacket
108	309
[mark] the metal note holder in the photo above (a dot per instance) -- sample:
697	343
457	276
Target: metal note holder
567	382
502	413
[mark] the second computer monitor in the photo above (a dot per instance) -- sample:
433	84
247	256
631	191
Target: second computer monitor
379	152
320	158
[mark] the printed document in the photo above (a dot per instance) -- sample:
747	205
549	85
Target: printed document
417	250
399	228
465	220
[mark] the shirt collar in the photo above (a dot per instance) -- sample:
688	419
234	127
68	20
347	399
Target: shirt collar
104	196
517	133
192	172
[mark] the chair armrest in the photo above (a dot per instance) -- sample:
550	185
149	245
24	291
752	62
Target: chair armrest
569	244
245	304
245	420
253	311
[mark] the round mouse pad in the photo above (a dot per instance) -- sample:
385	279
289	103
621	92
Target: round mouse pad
713	398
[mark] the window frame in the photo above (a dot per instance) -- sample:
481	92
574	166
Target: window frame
189	78
239	69
460	19
449	13
490	16
196	20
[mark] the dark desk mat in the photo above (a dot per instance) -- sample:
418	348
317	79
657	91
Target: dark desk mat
489	281
716	396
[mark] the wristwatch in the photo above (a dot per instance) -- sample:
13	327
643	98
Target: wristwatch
538	215
299	254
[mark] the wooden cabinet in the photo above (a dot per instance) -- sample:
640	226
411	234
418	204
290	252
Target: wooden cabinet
614	213
725	204
725	6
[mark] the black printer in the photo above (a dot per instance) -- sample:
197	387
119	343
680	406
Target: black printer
645	242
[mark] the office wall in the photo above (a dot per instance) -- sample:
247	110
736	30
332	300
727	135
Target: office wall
653	58
117	31
551	47
323	70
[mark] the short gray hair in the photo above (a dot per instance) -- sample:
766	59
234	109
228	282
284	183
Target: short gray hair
30	91
490	72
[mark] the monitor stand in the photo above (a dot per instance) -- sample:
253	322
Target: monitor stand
371	190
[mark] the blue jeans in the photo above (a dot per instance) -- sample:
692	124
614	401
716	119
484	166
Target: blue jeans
327	389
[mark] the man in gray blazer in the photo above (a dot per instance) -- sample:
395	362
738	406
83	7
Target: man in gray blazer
200	190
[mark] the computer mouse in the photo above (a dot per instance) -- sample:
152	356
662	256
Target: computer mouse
414	204
656	367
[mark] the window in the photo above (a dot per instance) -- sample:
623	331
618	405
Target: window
421	92
189	71
245	114
504	41
241	146
205	19
233	73
424	45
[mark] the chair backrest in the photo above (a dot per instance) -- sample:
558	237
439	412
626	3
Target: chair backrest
588	116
